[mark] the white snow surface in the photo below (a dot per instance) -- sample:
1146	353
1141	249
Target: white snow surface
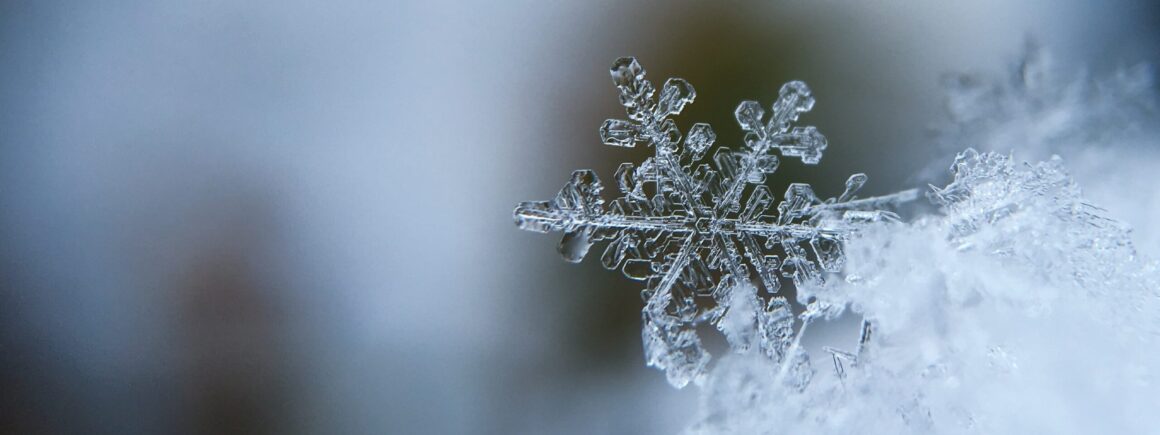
1018	308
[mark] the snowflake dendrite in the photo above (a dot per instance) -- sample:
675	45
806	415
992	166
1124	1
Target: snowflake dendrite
703	236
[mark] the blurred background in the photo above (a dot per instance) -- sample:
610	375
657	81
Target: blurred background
295	217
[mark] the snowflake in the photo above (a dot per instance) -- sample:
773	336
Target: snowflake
697	233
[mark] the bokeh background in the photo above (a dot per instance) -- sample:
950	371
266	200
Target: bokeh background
295	217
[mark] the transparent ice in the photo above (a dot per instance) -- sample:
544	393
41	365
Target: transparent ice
1018	305
705	237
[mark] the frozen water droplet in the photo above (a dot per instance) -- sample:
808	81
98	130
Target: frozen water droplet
574	246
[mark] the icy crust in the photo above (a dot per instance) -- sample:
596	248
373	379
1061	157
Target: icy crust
705	235
1019	309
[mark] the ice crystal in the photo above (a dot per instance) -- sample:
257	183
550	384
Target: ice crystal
1036	216
1019	308
1041	108
703	236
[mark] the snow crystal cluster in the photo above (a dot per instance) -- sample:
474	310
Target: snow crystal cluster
1018	309
1019	306
1094	119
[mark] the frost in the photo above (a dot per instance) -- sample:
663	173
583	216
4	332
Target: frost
1042	107
1019	308
704	236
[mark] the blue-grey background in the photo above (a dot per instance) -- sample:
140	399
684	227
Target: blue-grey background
295	217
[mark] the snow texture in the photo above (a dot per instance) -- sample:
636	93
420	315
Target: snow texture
703	236
1018	309
1021	306
1042	109
1094	119
1018	306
